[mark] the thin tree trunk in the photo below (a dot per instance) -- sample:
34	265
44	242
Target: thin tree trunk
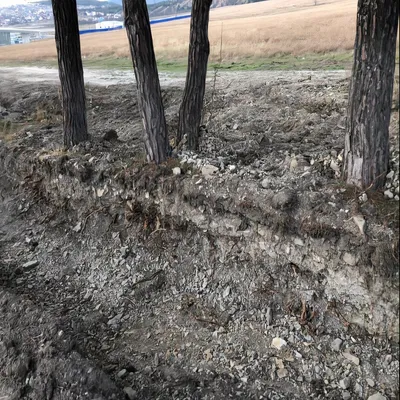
199	50
70	71
137	25
371	90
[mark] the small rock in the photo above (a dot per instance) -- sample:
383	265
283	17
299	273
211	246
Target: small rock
121	373
176	171
298	242
346	395
268	316
265	183
377	396
282	373
358	390
226	292
232	168
279	363
77	227
355	360
235	127
334	166
283	199
209	170
363	198
370	382
388	194
360	222
116	320
335	345
344	383
278	343
349	259
390	175
30	264
130	393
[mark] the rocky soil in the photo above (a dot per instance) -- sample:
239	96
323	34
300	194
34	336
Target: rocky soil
247	271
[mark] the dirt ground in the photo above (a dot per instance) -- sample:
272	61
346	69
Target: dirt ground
91	310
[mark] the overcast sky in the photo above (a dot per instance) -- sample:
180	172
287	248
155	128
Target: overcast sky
5	3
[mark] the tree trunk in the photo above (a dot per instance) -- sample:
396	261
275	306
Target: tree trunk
137	25
70	71
371	89
199	50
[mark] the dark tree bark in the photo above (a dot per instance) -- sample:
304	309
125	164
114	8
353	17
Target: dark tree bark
193	97
70	71
371	89
137	25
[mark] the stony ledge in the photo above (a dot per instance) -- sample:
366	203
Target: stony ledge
317	231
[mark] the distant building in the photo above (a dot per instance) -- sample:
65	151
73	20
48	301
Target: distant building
5	38
108	24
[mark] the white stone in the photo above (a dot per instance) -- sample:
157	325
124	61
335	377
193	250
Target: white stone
278	343
282	373
344	383
298	242
121	373
390	175
265	183
388	194
360	222
335	345
370	382
209	170
334	166
346	395
226	292
293	164
176	171
349	259
132	394
377	396
355	360
77	227
30	264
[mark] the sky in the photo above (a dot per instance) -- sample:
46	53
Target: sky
6	3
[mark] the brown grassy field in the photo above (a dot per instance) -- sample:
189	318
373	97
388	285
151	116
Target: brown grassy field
249	32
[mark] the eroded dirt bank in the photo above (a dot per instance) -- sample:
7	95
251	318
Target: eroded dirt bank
247	271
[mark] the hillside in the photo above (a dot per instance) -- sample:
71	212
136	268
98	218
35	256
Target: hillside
182	6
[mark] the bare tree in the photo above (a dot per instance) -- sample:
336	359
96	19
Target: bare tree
371	90
70	71
137	25
193	97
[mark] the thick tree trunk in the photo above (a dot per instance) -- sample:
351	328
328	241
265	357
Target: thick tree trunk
137	25
71	71
199	50
371	90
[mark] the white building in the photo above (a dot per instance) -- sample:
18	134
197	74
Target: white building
108	24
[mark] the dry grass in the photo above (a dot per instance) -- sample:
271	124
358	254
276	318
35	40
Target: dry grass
254	30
